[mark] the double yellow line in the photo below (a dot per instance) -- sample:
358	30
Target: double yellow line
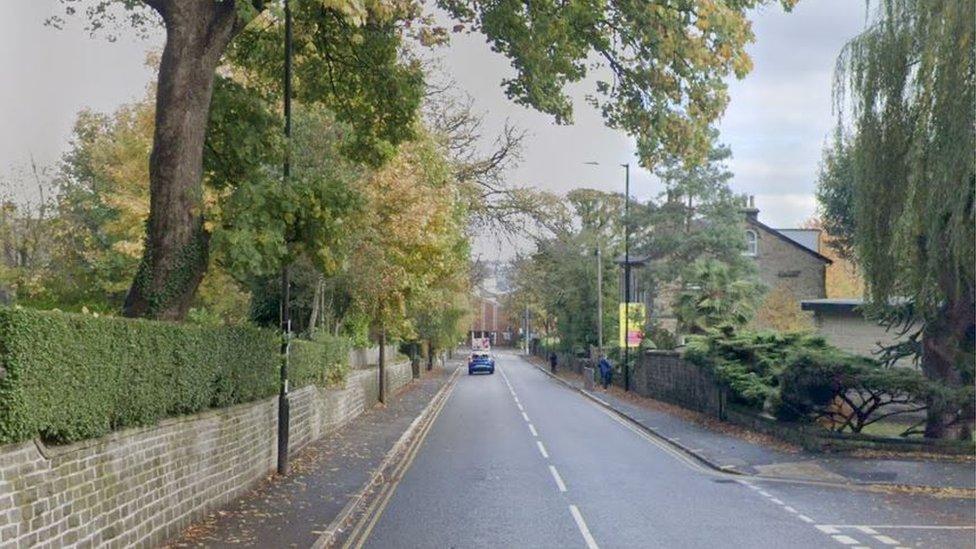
364	526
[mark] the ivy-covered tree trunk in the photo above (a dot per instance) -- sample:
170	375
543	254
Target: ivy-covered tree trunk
177	244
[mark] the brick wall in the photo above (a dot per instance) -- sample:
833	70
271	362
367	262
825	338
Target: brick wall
140	487
667	376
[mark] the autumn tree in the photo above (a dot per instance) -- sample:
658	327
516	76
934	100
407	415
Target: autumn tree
906	90
665	63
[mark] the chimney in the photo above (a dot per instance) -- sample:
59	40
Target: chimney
751	211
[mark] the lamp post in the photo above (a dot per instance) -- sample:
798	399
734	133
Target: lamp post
626	168
599	298
284	407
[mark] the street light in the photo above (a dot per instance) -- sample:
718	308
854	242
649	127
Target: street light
626	168
284	407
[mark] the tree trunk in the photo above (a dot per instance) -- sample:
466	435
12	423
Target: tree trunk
946	345
177	245
430	355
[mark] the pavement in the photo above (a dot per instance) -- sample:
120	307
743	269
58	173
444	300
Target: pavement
295	510
730	448
519	459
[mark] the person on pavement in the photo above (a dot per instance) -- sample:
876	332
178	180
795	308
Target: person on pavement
552	361
606	371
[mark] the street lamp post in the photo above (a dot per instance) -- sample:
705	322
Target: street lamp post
284	407
626	168
626	276
599	298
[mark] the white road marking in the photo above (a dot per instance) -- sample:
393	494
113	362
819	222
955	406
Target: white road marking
790	509
846	540
532	428
867	530
559	480
886	540
805	519
525	417
542	449
908	526
521	409
777	501
581	524
765	493
827	529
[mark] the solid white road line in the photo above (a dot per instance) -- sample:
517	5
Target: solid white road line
532	429
581	524
559	480
542	449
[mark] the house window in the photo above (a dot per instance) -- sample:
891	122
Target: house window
752	243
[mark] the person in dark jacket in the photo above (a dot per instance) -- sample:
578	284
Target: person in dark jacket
552	362
606	371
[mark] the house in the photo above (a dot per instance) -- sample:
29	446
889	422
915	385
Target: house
489	319
788	262
843	323
787	259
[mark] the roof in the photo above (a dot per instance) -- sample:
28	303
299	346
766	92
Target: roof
808	238
784	238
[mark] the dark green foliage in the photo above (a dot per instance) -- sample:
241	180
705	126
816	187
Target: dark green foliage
803	379
322	362
748	362
66	377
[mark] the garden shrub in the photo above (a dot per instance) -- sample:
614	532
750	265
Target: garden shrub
66	377
323	361
749	363
801	378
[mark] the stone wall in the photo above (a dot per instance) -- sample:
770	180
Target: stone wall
667	376
784	265
140	487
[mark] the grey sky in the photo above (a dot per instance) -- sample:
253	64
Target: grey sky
776	122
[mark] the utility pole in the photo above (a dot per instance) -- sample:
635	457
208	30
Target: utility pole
526	338
599	298
626	276
284	407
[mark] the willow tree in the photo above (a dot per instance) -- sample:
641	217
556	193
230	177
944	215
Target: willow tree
661	80
905	91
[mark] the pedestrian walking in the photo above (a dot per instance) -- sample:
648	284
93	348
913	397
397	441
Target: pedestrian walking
552	361
606	371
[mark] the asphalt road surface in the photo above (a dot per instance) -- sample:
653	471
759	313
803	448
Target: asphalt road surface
515	459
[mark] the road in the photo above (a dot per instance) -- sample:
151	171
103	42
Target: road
516	459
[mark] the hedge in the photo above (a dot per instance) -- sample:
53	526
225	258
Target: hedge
324	361
67	377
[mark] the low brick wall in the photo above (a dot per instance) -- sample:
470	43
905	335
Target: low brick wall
667	376
140	487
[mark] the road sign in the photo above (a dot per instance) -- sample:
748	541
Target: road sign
635	313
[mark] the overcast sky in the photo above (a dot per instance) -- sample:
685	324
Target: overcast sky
776	122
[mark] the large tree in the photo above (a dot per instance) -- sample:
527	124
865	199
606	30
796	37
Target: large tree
663	63
906	91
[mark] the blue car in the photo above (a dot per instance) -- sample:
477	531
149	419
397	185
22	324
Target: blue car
481	361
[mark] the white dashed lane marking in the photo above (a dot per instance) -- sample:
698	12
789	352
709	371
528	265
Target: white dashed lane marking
581	524
559	480
542	449
533	431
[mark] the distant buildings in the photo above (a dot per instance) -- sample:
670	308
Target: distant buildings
489	317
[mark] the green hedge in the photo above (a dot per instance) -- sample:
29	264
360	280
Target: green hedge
324	361
66	377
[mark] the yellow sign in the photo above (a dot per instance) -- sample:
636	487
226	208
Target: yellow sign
634	313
